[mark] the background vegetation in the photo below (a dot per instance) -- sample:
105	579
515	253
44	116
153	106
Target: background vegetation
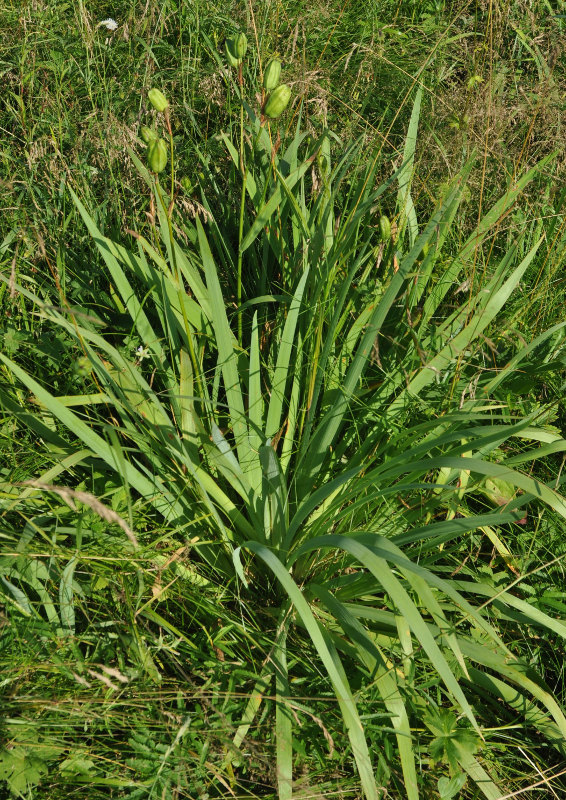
140	659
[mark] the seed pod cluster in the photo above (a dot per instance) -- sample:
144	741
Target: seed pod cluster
156	147
278	95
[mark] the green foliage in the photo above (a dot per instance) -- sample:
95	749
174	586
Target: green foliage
449	787
21	769
160	767
24	765
452	743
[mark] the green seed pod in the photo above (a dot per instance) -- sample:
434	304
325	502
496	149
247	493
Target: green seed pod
277	101
148	134
157	155
158	100
187	184
271	75
385	228
237	46
232	61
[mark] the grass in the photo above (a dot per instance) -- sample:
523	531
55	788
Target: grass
282	506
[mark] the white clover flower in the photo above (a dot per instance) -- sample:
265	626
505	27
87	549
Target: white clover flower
110	24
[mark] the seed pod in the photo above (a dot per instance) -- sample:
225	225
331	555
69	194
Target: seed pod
237	46
232	61
271	75
148	134
157	155
385	228
158	100
187	184
277	101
